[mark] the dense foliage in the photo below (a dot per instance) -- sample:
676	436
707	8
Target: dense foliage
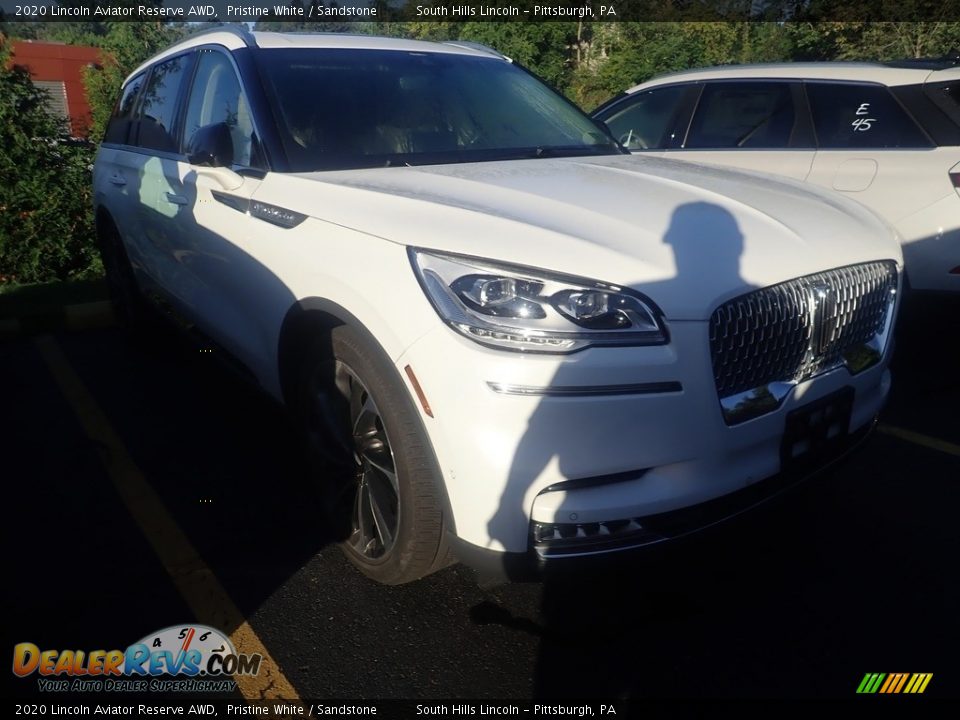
45	224
45	227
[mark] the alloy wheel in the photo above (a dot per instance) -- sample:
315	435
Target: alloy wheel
376	505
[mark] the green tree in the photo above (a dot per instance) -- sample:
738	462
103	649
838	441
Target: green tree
45	224
618	55
125	45
46	227
860	40
542	47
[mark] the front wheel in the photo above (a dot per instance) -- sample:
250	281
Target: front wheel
373	459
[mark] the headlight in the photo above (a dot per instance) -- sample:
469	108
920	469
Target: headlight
526	309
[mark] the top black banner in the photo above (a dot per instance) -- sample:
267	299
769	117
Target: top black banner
326	11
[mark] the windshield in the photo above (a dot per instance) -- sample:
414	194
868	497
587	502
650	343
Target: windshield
339	109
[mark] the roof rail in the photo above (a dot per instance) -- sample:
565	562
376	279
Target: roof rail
948	60
470	45
238	29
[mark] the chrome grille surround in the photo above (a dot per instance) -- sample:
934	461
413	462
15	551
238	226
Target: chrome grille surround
765	342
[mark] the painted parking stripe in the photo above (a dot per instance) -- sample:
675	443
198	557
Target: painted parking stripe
194	580
919	439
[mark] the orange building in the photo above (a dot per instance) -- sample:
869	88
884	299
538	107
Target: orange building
57	68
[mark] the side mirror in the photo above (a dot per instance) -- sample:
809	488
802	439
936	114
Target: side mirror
211	146
210	151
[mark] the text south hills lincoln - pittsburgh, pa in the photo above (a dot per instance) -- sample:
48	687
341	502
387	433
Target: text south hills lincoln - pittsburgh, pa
552	12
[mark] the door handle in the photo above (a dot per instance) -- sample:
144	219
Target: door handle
177	199
117	179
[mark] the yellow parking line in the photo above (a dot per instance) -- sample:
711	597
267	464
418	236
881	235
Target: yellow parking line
918	439
195	581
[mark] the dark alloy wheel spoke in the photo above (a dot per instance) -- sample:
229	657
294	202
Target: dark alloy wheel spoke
376	503
378	456
382	506
362	539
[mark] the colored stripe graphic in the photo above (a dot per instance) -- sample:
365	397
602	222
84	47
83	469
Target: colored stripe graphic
894	683
870	683
891	680
919	682
900	683
875	685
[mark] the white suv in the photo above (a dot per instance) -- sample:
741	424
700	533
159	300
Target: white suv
886	135
504	336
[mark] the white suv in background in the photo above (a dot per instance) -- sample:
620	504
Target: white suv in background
887	135
501	333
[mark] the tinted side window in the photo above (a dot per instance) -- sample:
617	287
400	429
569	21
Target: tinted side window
158	109
861	116
645	120
947	97
743	115
933	109
119	124
216	98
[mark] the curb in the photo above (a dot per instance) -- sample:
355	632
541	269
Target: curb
83	316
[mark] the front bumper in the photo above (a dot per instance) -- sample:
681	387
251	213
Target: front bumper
652	530
579	540
593	461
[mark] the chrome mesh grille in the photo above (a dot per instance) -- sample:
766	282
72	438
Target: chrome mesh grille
783	333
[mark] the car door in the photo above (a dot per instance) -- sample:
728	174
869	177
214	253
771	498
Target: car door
118	172
156	132
650	121
218	238
871	149
751	124
932	235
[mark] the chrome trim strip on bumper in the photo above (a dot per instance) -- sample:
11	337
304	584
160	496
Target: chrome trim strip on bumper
656	388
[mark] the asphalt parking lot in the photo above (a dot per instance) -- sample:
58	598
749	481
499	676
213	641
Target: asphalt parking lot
145	487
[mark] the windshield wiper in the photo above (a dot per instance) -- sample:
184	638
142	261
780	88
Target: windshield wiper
394	160
554	151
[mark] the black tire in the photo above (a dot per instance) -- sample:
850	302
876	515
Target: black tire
370	453
129	307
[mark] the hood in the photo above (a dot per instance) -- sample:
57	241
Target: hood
688	236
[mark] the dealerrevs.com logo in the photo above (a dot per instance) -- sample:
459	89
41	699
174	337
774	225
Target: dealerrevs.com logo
180	658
